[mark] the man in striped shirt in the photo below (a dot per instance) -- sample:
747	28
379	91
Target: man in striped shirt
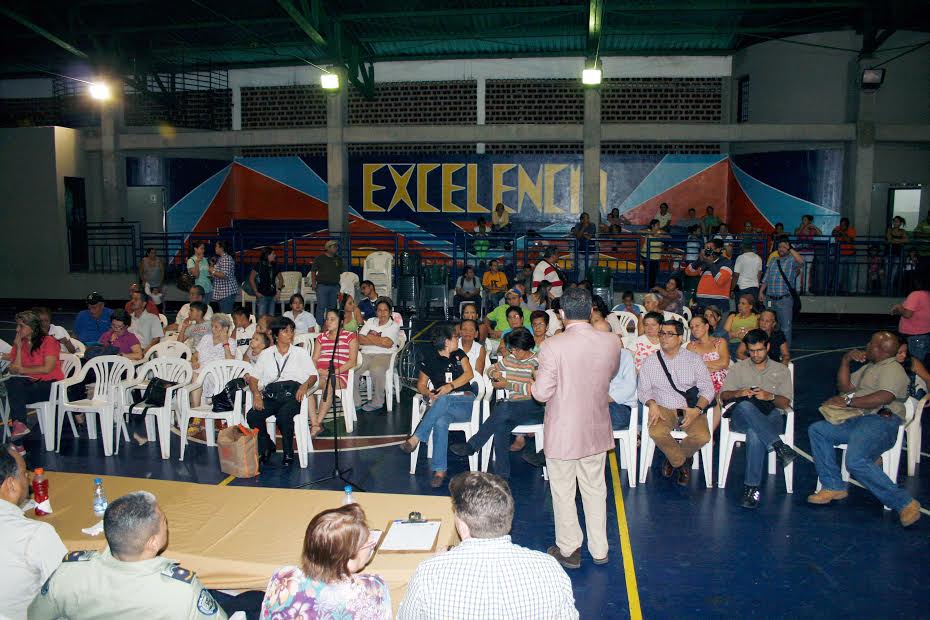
545	270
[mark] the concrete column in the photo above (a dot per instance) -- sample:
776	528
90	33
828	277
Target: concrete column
862	164
479	147
337	157
591	172
113	164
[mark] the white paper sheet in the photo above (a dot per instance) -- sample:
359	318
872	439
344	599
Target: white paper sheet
411	536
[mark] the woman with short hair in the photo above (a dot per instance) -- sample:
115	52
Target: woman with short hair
650	304
120	337
327	583
647	344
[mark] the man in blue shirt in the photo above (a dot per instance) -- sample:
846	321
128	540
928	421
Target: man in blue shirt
366	304
90	324
776	288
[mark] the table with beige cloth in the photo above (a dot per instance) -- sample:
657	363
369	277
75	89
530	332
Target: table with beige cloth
235	537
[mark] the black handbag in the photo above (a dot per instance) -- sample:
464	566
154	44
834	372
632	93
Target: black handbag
225	399
796	299
185	281
154	395
280	390
691	395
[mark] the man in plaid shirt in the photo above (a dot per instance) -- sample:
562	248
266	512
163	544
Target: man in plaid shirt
774	289
487	576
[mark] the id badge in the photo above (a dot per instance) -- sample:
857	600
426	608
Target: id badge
448	377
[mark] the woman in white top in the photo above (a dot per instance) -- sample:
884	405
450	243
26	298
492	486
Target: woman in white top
284	375
378	340
304	322
468	330
217	345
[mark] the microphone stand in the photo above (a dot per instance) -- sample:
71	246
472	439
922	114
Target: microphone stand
336	473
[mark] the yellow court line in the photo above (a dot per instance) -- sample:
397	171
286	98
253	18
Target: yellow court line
423	331
226	481
629	571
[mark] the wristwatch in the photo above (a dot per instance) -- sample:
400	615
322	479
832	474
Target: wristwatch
847	398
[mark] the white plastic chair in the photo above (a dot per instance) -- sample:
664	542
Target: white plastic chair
168	348
306	341
628	438
648	448
157	419
379	269
109	371
671	316
624	319
470	427
913	431
292	284
79	348
219	372
301	430
686	312
729	439
348	283
246	298
306	289
392	378
163	320
46	410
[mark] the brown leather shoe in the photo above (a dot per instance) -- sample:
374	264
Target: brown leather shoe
910	513
408	447
825	496
667	469
571	561
684	472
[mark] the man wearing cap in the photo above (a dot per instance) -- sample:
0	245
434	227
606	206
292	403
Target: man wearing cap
496	321
324	278
90	324
747	271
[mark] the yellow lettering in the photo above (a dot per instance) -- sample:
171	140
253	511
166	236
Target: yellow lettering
401	193
497	183
527	187
423	205
472	183
448	188
549	172
369	188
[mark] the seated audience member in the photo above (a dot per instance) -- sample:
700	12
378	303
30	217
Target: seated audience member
328	583
450	400
90	324
366	304
493	577
494	282
622	391
470	312
496	321
263	324
540	298
145	325
195	294
284	376
877	391
712	350
149	306
245	329
671	298
514	320
258	343
555	321
514	374
778	344
149	585
55	331
467	288
352	316
30	550
218	344
741	322
714	317
196	325
120	337
303	320
914	369
650	304
539	322
626	304
599	314
343	359
500	219
377	341
468	334
762	391
647	344
668	409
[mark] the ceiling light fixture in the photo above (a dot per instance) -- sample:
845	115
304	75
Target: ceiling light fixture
591	77
99	91
329	81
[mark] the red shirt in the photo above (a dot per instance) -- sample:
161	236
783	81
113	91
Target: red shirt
33	359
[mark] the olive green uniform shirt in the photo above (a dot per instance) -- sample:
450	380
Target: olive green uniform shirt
328	269
887	375
93	585
774	378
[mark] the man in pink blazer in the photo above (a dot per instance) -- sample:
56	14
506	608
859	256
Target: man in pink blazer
575	369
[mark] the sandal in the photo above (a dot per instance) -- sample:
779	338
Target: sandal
406	447
315	430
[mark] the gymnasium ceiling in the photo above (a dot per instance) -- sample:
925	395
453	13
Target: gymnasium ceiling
146	37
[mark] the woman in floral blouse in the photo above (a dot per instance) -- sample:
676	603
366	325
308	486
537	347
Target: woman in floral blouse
337	545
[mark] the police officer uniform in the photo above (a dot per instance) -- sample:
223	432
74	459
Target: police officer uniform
93	585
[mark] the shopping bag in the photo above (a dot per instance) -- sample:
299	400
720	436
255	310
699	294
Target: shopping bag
238	448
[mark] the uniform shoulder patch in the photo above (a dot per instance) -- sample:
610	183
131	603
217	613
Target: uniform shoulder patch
177	572
206	604
79	556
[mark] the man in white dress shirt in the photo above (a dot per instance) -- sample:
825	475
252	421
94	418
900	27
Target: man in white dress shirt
30	550
487	576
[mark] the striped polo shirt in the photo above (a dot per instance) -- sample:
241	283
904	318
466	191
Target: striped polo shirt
519	375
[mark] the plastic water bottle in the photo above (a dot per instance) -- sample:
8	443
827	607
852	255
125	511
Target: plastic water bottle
40	490
348	498
100	498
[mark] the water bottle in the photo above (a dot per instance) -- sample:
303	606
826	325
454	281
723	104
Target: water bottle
40	490
100	498
348	498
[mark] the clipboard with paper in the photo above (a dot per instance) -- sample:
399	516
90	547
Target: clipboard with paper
410	536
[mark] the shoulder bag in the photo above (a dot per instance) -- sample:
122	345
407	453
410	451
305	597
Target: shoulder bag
796	307
154	395
691	395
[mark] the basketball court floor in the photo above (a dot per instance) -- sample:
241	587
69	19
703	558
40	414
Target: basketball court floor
689	552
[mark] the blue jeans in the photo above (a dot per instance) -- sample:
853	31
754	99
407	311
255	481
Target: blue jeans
866	437
918	346
226	304
444	411
619	416
762	430
326	299
264	305
505	416
784	309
